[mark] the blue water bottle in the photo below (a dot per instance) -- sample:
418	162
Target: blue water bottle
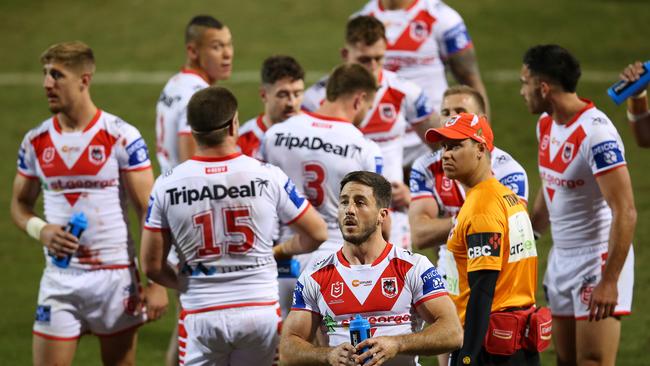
622	89
288	268
76	226
359	332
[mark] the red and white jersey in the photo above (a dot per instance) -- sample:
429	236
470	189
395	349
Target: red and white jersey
419	39
317	151
398	103
171	115
250	136
570	157
385	292
80	172
428	180
220	213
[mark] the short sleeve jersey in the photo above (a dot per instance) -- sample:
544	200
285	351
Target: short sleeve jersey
493	232
385	292
220	213
570	157
419	39
250	136
398	103
80	172
322	151
171	115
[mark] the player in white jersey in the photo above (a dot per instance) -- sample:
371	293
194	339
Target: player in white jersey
281	91
398	103
84	159
423	36
209	56
437	199
218	209
325	146
587	196
373	278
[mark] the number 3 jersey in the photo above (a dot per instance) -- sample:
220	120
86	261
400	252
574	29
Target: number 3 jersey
570	158
220	213
385	292
80	172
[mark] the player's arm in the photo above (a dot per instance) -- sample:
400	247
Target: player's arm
616	188
186	146
464	67
138	184
638	114
296	346
23	199
482	284
311	231
154	248
444	334
427	229
539	217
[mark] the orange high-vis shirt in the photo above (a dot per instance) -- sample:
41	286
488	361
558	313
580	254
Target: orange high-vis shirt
493	232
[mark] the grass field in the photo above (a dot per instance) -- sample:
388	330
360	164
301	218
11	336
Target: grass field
146	36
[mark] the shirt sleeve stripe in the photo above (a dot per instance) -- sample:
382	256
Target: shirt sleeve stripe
603	172
156	229
300	214
431	297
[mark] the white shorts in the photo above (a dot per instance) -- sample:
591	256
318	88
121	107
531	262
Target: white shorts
73	302
400	231
572	274
239	336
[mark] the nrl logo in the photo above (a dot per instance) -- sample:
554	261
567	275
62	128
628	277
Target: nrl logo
389	287
387	112
337	289
48	155
96	154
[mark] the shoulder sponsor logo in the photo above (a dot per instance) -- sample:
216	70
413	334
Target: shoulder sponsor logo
215	192
516	182
298	299
336	289
48	155
315	143
483	245
423	106
387	112
97	154
137	152
389	287
432	281
607	154
456	38
21	159
149	208
294	196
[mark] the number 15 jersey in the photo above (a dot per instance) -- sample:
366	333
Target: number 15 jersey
220	213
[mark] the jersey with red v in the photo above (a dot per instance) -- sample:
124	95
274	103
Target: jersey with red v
406	41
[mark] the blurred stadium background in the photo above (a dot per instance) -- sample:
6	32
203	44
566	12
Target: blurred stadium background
139	44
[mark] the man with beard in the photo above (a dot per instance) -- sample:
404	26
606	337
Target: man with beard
372	277
281	92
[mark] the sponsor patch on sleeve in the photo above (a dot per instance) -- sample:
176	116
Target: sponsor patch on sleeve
137	152
417	182
379	164
43	313
21	159
422	106
431	281
516	182
298	299
456	39
607	154
149	207
294	196
483	245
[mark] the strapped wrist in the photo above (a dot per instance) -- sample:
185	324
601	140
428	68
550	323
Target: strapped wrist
637	117
34	227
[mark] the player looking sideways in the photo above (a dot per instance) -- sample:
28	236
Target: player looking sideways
586	198
83	159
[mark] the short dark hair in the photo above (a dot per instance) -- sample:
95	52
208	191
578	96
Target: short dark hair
348	79
279	67
381	188
365	29
209	113
466	90
197	25
554	63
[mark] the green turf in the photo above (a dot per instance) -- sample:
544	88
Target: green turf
147	36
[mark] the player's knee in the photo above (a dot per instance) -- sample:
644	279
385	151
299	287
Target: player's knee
593	357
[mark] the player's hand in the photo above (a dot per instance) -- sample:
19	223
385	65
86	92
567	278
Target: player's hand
341	355
155	301
381	349
632	73
401	195
603	300
58	241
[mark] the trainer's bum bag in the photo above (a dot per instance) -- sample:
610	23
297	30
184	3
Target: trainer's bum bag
510	331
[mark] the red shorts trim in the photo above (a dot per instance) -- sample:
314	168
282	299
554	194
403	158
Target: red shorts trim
222	307
55	338
120	331
586	317
300	214
430	297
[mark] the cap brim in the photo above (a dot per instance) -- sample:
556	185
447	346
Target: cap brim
443	133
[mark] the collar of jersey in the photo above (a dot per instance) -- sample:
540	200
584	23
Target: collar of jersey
381	7
260	122
212	159
326	118
589	105
57	124
381	257
194	72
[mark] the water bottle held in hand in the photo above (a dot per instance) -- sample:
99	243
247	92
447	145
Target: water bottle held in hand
288	268
622	89
359	332
76	226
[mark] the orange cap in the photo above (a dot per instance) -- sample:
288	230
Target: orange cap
463	126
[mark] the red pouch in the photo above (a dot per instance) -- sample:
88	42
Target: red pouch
538	334
505	331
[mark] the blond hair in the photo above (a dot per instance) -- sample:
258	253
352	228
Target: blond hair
467	90
74	54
